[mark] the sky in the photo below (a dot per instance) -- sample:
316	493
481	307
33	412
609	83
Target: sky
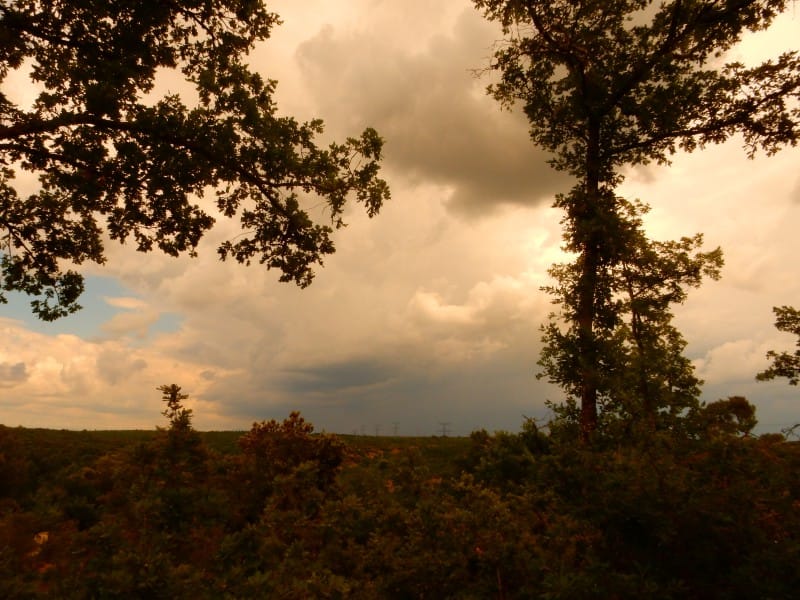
427	318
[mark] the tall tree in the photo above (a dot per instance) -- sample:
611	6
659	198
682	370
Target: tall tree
784	364
642	374
610	83
114	160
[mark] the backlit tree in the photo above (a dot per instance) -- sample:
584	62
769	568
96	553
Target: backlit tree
607	84
113	159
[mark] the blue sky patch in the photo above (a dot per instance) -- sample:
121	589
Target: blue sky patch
87	322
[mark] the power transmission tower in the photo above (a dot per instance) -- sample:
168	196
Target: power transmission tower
395	425
444	428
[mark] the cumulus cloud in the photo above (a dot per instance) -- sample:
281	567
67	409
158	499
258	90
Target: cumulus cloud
796	192
66	381
432	109
395	351
12	374
115	365
136	319
493	316
125	302
734	362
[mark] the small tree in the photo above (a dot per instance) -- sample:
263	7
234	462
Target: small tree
731	416
180	418
285	457
784	364
181	450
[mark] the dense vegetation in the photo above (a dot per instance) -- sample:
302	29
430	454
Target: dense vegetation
710	512
636	489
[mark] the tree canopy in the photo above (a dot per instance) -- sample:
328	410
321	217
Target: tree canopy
115	162
609	84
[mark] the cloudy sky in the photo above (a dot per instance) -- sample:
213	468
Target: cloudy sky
429	313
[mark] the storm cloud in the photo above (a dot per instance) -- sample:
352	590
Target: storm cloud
430	105
12	374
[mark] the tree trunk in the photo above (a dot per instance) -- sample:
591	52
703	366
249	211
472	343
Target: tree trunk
588	352
589	236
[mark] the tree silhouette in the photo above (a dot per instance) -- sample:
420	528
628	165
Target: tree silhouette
115	161
606	85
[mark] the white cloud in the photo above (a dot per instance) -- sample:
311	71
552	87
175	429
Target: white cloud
136	323
125	302
66	381
733	362
430	307
115	365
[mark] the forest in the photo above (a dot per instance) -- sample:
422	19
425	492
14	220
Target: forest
634	488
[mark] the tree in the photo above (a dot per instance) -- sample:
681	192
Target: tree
180	431
114	161
179	455
732	416
609	84
643	375
281	459
784	364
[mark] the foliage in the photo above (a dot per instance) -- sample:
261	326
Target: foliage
282	460
610	84
732	416
784	364
115	159
505	460
14	466
642	378
711	513
667	517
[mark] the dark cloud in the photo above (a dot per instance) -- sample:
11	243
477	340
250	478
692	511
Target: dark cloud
12	374
433	111
350	376
115	366
208	375
380	391
796	192
395	354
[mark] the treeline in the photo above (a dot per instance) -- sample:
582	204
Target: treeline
708	511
